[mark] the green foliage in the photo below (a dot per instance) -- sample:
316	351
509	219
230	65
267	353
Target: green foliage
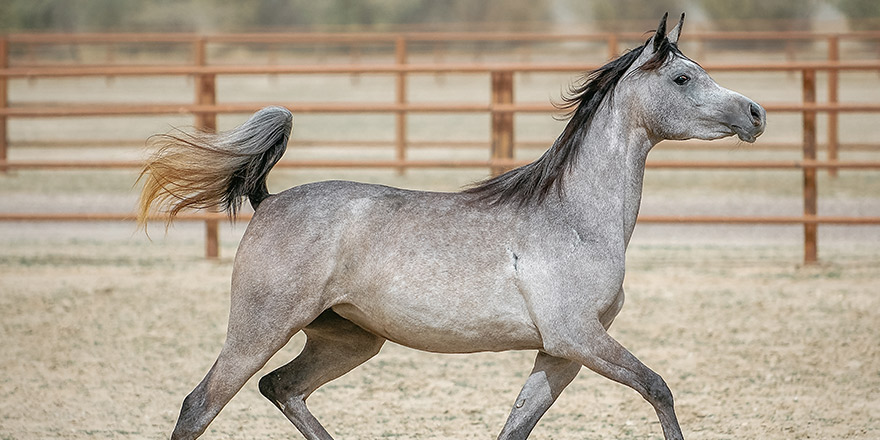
35	14
266	15
376	14
862	14
759	14
616	15
256	15
66	15
488	11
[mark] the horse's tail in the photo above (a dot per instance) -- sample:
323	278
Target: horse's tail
206	170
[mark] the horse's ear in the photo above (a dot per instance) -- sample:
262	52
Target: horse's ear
653	44
676	31
660	34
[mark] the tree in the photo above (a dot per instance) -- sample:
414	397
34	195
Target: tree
861	14
743	15
617	15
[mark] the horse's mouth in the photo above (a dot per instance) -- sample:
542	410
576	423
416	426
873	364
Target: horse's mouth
745	135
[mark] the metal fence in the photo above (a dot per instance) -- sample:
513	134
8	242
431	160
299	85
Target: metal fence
501	106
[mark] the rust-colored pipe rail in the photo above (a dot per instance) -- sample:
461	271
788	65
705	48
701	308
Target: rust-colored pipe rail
379	107
170	70
697	219
501	107
439	163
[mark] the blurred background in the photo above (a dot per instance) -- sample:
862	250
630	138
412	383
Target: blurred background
399	15
89	81
751	278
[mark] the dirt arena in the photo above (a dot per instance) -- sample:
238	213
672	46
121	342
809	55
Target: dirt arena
103	339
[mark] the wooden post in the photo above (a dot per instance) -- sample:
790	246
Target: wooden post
355	51
810	191
439	52
4	102
206	94
400	99
699	47
111	59
790	51
502	122
205	90
613	46
833	141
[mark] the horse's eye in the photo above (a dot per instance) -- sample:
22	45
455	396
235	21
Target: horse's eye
681	79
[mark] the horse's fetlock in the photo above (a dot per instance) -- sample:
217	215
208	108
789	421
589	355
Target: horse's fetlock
273	387
189	423
658	392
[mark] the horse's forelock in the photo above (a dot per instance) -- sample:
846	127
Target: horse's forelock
666	50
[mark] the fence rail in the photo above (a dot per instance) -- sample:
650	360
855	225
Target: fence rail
501	107
704	219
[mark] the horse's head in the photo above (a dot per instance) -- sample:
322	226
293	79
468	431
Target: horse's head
678	100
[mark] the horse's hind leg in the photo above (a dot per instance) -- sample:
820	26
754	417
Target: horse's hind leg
547	380
236	364
334	347
258	327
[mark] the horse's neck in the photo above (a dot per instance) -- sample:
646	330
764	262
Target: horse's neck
605	187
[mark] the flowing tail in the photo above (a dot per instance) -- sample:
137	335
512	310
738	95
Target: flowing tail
206	170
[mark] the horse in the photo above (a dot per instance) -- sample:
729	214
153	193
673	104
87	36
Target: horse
532	259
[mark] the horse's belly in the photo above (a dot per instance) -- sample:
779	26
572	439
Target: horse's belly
446	327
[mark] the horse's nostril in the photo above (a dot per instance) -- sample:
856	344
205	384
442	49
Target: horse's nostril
757	114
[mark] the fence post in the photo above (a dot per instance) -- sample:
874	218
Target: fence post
400	97
810	191
502	121
355	53
4	102
833	56
613	46
206	94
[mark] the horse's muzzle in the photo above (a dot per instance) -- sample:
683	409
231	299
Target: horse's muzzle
757	118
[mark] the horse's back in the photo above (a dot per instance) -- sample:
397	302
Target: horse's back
298	230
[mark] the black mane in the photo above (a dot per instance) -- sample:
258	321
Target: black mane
533	182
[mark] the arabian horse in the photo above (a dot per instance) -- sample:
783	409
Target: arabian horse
532	259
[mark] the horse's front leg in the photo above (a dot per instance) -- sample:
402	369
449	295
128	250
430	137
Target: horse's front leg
604	355
548	378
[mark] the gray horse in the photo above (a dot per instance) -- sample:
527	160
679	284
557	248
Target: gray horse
530	260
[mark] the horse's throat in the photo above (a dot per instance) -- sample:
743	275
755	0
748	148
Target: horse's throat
607	180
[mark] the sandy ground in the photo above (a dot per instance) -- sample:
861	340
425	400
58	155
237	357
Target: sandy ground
103	339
